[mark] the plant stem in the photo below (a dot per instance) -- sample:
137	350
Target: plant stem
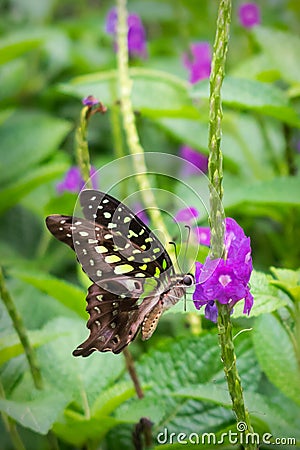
216	213
82	149
21	331
132	372
129	124
11	426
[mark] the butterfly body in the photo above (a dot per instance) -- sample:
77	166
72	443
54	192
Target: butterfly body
133	277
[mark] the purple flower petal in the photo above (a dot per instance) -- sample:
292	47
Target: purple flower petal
225	281
140	212
211	311
249	14
195	158
136	38
203	235
111	21
200	64
186	215
248	303
90	101
73	181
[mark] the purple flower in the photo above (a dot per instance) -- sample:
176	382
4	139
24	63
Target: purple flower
249	14
136	39
186	214
90	101
225	281
203	235
196	158
73	181
111	21
140	212
200	63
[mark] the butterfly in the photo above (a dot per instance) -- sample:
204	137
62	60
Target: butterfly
134	280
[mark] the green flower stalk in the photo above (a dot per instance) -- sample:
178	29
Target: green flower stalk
129	124
215	172
21	331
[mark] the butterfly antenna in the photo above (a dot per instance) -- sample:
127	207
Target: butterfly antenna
187	241
176	254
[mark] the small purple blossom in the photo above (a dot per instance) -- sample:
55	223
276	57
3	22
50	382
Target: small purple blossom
203	235
140	212
73	181
136	39
249	14
225	281
90	101
111	21
200	64
186	215
196	158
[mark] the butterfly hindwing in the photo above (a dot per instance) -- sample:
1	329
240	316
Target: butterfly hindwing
114	320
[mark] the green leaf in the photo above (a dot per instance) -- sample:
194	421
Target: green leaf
282	49
71	296
206	392
10	345
267	298
280	415
154	93
288	281
189	361
83	378
276	191
27	139
13	46
253	95
77	430
145	407
277	356
38	414
111	398
15	191
191	132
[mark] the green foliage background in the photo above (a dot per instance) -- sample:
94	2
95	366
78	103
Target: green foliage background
51	55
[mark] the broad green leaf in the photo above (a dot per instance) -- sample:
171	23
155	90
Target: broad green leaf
188	131
71	296
27	139
10	345
77	430
12	194
206	392
187	362
154	93
267	298
132	412
111	398
84	378
253	95
288	281
277	356
276	191
280	414
243	143
38	414
13	46
282	49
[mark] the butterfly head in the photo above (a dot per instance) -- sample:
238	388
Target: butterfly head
188	280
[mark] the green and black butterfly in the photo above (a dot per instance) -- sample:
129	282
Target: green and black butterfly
133	277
